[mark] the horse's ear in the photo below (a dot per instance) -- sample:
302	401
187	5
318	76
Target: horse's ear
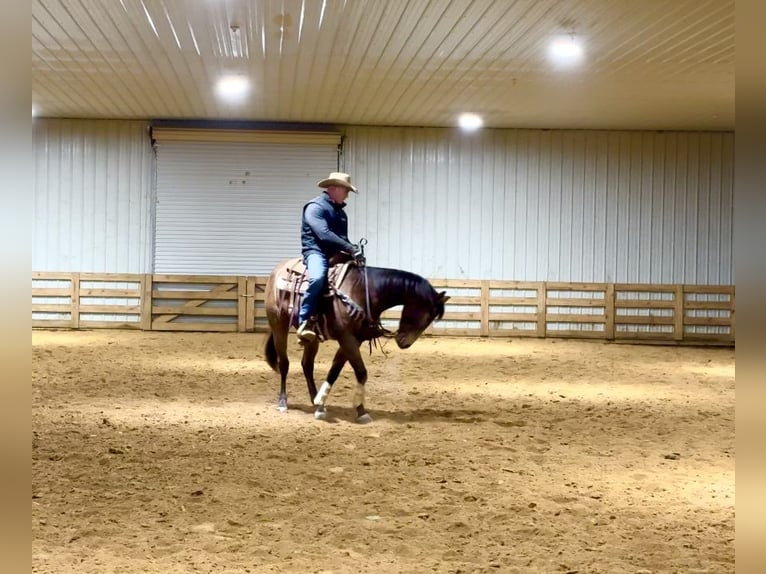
443	297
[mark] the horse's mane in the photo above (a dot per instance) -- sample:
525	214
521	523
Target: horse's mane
397	280
408	282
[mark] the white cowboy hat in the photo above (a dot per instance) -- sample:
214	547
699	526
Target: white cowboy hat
338	178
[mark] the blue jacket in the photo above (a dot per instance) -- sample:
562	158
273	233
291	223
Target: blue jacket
324	228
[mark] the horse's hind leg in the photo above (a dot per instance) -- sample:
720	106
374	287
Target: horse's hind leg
324	391
310	349
280	345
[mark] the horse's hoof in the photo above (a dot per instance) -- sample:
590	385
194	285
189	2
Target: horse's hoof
364	419
282	407
320	414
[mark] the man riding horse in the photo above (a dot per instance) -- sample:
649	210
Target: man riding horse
353	312
324	233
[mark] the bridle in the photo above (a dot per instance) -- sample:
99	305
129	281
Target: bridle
377	326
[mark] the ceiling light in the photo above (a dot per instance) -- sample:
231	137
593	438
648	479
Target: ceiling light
565	50
233	88
470	122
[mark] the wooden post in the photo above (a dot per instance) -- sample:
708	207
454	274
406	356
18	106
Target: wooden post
542	295
242	304
609	311
485	308
75	301
678	313
146	302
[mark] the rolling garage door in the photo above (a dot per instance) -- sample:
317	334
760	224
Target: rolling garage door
229	202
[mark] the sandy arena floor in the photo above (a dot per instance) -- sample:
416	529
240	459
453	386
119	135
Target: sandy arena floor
164	453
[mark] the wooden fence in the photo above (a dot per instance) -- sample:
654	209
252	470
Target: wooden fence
675	314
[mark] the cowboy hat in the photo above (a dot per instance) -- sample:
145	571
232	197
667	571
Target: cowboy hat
338	178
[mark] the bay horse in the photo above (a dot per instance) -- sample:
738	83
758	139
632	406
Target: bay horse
349	314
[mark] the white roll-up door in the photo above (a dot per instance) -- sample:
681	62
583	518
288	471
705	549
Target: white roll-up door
230	202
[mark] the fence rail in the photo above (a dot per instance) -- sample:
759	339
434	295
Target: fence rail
670	313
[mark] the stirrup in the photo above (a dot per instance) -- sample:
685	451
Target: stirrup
305	333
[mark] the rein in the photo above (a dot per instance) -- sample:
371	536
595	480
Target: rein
383	332
362	243
367	295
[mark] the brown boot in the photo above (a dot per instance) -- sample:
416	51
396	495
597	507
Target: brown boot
305	333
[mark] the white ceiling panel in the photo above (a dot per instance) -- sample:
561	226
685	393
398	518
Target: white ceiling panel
649	64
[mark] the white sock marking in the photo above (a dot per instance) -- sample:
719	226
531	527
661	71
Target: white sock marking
321	397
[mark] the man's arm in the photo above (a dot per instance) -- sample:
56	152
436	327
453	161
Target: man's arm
314	217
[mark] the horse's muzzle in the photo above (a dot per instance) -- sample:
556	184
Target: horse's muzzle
404	341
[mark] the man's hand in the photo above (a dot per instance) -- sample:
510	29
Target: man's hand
358	254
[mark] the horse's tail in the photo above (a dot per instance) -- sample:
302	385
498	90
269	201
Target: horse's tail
271	352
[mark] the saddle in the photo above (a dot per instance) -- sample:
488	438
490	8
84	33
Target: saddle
292	285
295	280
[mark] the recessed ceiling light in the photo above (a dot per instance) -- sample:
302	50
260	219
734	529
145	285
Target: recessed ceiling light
470	122
233	88
565	50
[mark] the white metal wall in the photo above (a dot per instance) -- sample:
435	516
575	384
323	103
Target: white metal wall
92	196
601	206
501	204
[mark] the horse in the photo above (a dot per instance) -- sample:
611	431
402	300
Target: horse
349	313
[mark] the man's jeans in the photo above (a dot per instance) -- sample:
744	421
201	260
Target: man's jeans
316	269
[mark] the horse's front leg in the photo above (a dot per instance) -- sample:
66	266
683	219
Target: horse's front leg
324	391
350	346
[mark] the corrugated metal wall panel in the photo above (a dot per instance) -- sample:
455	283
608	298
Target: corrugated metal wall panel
507	204
92	196
555	205
234	208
